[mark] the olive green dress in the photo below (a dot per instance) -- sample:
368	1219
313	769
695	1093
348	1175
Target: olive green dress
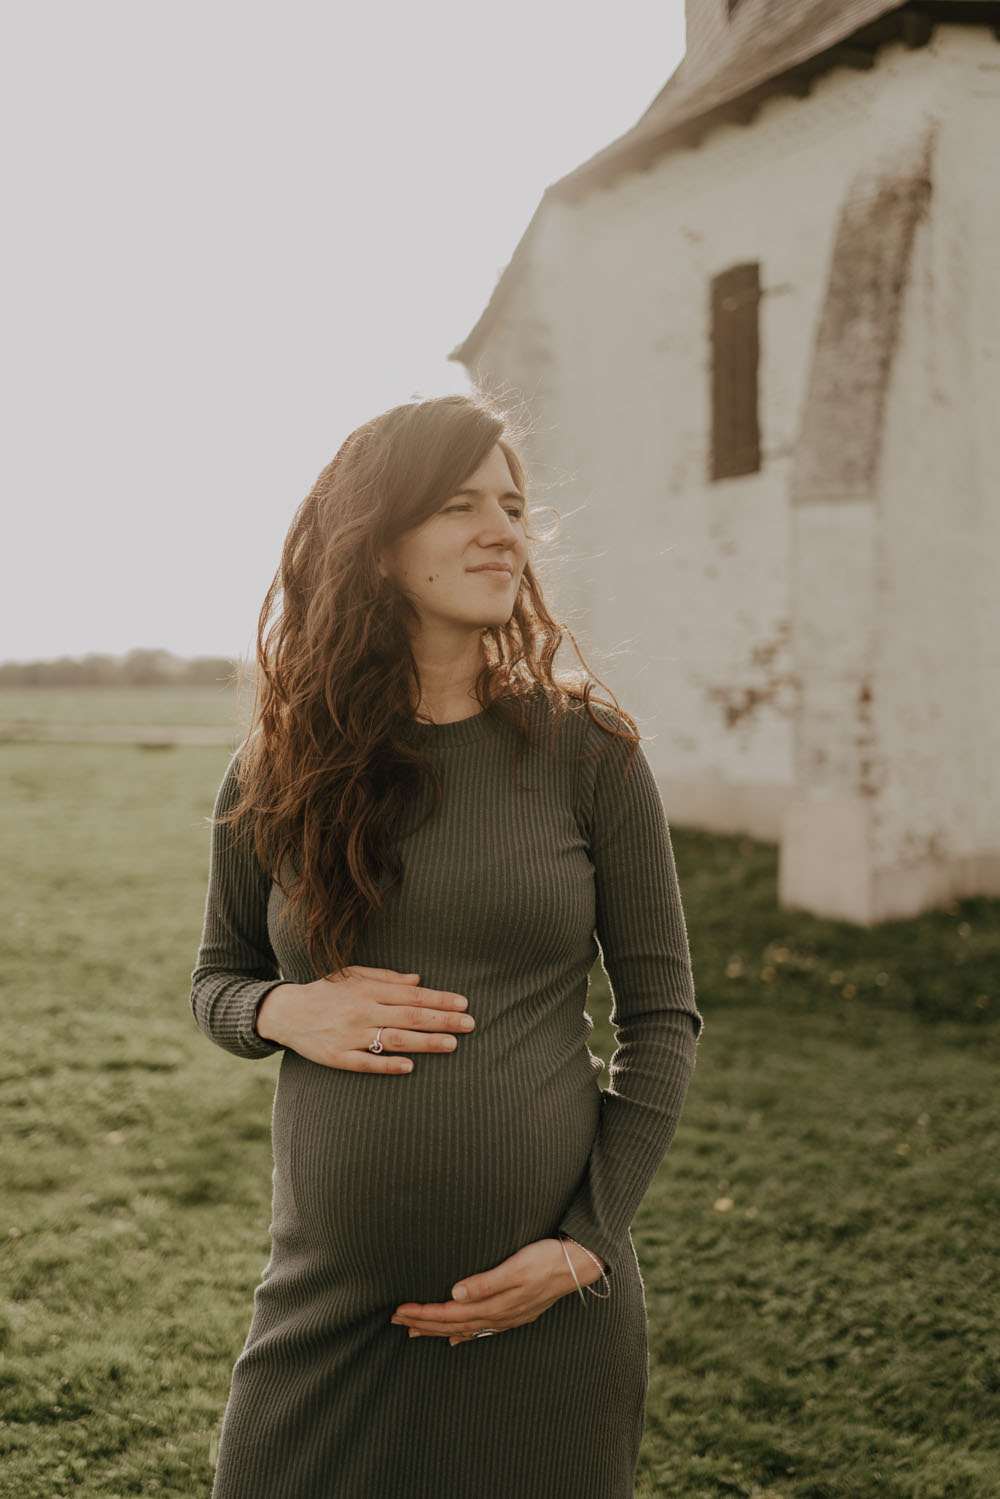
390	1188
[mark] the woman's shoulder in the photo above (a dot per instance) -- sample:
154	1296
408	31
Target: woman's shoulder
231	784
583	721
592	711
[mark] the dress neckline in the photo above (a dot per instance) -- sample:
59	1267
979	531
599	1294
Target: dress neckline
474	729
459	731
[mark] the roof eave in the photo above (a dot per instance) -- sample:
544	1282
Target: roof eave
640	146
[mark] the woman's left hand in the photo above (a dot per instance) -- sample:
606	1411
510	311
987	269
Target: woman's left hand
514	1292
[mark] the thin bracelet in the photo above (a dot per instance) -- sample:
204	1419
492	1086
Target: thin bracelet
604	1274
572	1272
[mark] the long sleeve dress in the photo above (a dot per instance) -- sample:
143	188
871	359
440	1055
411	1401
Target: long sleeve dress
391	1188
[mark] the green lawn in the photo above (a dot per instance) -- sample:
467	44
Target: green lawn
150	706
820	1247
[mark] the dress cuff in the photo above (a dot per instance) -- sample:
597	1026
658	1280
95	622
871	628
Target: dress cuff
254	1043
577	1226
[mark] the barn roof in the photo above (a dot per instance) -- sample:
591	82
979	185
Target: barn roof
776	46
778	36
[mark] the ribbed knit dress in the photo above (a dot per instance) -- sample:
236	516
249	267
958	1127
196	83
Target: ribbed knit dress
391	1188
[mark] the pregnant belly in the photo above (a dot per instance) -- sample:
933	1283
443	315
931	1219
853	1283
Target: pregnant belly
406	1184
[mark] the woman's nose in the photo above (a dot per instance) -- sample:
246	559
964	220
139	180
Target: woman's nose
502	521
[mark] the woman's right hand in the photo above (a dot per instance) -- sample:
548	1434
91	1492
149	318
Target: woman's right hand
333	1020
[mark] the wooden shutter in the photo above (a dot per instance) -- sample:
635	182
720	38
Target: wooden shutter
735	353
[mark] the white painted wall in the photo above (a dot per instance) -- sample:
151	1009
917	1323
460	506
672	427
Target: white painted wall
936	828
687	588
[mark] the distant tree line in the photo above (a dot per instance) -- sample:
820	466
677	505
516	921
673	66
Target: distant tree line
140	668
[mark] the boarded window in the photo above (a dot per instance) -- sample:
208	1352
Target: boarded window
735	350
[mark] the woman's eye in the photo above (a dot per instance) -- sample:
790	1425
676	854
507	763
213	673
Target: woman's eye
516	513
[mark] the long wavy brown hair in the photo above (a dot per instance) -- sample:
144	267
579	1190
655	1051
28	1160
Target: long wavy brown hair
327	768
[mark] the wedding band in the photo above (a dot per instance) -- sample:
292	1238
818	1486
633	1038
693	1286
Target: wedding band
484	1332
376	1045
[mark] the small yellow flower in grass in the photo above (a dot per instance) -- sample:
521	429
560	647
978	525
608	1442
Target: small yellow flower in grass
115	1137
849	991
836	977
767	974
902	1148
723	1204
780	954
734	968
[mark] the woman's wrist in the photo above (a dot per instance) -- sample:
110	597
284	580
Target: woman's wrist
588	1265
267	1019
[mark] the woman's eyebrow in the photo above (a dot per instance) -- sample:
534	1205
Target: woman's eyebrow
479	494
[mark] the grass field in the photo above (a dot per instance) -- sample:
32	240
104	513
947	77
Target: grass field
820	1247
151	706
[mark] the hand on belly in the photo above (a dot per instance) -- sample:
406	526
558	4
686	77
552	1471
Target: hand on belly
513	1293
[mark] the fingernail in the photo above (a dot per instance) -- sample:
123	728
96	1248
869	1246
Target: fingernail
460	1294
396	1321
466	1022
414	1333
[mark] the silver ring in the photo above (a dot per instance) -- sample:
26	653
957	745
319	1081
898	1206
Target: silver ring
484	1332
376	1045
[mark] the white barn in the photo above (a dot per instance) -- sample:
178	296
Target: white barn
759	337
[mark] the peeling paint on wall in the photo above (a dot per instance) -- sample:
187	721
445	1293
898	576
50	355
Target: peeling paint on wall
778	690
841	440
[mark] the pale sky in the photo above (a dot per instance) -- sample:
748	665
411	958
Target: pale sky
233	233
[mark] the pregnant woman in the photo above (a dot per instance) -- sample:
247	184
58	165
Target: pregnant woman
412	854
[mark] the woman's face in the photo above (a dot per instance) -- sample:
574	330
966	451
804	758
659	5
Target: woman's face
438	564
